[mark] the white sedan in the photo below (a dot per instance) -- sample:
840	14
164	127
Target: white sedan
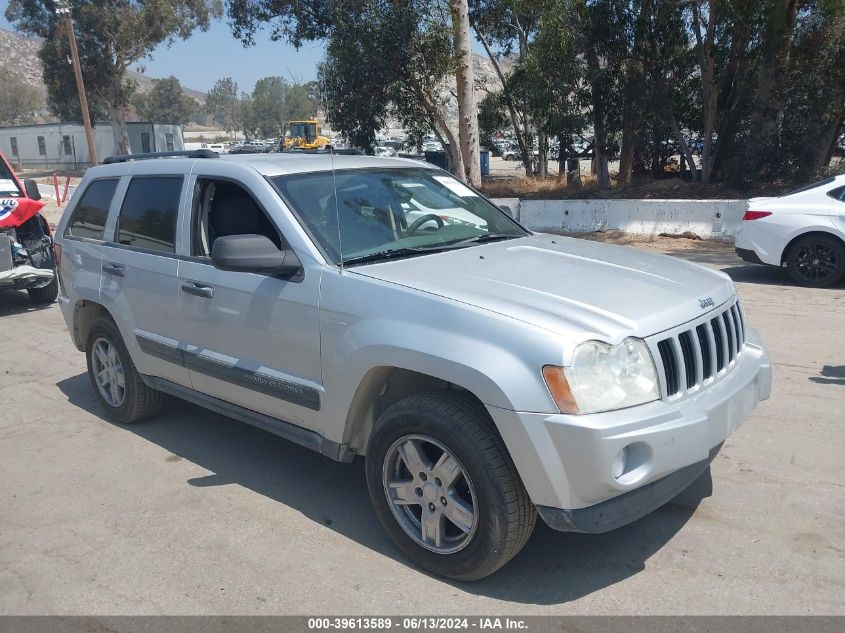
803	230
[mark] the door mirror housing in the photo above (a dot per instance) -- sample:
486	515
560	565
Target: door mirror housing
253	254
31	188
506	210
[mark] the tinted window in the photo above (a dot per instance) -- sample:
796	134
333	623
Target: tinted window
145	142
66	145
224	208
168	138
42	147
14	142
148	215
837	194
826	181
89	219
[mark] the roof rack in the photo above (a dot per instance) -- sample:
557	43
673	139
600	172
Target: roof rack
191	153
349	151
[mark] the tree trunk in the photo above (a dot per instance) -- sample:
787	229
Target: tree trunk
508	99
455	152
543	158
827	143
467	107
633	86
732	91
118	127
709	87
768	104
599	134
686	154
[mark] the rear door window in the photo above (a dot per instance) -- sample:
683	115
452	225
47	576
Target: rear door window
89	218
149	212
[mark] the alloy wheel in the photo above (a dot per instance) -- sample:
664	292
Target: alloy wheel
108	372
430	494
815	262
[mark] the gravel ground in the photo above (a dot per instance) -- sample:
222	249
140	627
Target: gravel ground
195	513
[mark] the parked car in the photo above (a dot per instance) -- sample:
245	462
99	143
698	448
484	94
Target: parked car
803	230
247	148
486	374
220	148
27	260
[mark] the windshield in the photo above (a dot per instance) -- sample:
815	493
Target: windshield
382	212
308	131
8	186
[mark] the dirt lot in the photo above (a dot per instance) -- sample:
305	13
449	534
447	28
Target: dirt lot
195	513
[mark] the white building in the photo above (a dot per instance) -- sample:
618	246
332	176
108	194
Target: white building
63	145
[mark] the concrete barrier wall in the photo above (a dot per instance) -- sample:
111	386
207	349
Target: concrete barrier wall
709	219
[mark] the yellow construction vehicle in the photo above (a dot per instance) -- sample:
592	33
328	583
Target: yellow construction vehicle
305	135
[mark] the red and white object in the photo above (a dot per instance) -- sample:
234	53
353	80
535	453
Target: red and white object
15	207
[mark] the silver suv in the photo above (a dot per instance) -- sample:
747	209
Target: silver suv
379	307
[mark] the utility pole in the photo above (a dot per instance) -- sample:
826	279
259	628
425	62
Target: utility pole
63	9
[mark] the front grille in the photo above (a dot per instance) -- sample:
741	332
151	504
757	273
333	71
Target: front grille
702	353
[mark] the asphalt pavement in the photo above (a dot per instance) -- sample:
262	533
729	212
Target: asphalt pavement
194	513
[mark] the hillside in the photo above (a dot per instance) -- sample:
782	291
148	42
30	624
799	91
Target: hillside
19	54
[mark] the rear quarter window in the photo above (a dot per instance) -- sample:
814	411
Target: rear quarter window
89	217
149	212
837	194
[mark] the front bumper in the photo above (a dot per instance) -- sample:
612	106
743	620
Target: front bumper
565	461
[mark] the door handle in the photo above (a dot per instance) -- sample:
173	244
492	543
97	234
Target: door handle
118	270
198	290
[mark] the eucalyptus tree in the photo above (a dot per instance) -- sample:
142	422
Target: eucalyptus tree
112	35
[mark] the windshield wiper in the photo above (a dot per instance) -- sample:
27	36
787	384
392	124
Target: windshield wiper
482	239
394	253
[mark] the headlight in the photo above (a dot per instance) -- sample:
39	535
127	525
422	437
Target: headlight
604	377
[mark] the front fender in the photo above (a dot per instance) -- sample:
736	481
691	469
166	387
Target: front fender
496	358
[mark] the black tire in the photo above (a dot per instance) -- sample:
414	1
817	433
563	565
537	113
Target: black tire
816	261
45	294
139	401
505	514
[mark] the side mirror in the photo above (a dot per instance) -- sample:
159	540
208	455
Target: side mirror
506	210
253	254
31	188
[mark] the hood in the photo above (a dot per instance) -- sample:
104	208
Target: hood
561	284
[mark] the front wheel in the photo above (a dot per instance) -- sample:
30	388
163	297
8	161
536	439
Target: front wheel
816	261
45	294
444	487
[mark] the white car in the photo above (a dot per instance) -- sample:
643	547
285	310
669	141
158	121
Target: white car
803	230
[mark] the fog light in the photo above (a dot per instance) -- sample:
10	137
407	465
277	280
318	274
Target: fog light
617	467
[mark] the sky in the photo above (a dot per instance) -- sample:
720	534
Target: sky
206	57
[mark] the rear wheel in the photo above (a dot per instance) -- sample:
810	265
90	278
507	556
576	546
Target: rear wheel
816	261
444	487
117	384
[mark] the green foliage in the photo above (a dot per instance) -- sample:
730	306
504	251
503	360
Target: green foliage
386	59
635	73
491	117
18	101
267	106
221	103
111	35
273	102
166	103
